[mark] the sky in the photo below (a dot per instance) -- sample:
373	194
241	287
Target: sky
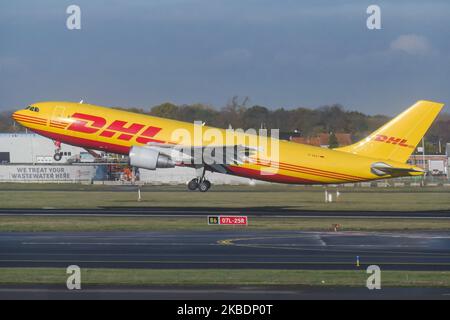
279	53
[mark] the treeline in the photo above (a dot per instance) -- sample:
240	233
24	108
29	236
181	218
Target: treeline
308	122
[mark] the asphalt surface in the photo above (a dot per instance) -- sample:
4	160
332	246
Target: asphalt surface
203	211
227	249
220	293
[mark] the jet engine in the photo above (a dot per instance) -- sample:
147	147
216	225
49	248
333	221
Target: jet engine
149	158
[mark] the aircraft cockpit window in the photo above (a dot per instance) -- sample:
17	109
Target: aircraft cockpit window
35	109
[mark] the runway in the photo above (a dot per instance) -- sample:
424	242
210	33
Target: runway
219	293
227	250
281	212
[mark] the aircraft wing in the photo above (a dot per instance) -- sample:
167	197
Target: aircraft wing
211	155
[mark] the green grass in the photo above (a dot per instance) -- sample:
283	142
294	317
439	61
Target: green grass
67	223
295	197
142	277
275	187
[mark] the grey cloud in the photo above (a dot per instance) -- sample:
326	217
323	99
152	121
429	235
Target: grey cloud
412	44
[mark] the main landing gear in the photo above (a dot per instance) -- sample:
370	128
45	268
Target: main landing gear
200	182
202	186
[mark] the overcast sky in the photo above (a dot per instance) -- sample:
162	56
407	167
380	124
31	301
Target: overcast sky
280	53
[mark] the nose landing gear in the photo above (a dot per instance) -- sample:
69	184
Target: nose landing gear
57	156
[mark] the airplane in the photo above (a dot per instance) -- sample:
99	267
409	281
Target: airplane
149	142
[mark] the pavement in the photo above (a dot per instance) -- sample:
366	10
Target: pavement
280	212
238	249
221	293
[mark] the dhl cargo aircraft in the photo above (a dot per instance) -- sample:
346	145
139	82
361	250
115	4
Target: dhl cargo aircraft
151	142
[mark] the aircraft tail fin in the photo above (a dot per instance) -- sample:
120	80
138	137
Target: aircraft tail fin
398	138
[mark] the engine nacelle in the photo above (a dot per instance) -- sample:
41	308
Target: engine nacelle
149	158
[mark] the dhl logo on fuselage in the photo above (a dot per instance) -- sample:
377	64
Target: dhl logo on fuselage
392	140
122	130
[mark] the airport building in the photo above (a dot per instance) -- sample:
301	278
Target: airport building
31	158
434	164
28	157
30	148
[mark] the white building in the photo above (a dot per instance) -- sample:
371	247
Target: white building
29	158
30	148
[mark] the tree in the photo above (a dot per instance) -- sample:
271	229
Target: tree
332	141
255	117
165	110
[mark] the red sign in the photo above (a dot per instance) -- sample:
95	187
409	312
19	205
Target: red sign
233	220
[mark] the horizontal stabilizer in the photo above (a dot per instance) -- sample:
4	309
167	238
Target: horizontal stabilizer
382	169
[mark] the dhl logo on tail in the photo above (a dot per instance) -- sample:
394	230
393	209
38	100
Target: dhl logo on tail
393	140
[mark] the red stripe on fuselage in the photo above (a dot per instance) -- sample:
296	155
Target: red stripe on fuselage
256	174
307	170
324	171
32	121
310	171
17	116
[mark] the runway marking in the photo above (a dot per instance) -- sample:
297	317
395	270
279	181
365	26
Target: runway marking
232	242
234	262
118	244
348	251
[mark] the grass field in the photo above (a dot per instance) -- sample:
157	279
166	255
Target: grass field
142	277
295	197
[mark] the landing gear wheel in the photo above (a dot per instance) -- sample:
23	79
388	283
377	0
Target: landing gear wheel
193	184
57	156
204	186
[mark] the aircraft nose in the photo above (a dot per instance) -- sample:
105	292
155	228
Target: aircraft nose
15	115
18	116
